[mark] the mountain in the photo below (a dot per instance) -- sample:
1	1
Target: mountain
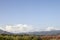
53	32
4	32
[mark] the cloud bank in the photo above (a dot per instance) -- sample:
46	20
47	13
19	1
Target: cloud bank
51	28
18	28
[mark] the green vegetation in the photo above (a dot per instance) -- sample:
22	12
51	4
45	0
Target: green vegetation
19	37
27	37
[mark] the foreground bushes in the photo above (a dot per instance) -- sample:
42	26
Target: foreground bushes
26	37
19	37
5	38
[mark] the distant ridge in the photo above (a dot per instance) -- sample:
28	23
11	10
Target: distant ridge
52	32
4	32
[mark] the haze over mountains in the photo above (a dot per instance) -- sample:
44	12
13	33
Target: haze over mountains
4	32
52	32
28	29
24	28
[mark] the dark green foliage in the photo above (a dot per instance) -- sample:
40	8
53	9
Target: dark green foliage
19	37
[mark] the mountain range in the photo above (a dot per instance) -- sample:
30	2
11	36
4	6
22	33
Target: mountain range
4	32
52	32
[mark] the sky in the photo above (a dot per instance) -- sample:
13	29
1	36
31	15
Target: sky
35	14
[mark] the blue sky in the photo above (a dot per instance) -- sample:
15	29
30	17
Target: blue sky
40	13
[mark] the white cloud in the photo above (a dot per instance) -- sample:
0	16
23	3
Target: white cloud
19	28
24	28
51	28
